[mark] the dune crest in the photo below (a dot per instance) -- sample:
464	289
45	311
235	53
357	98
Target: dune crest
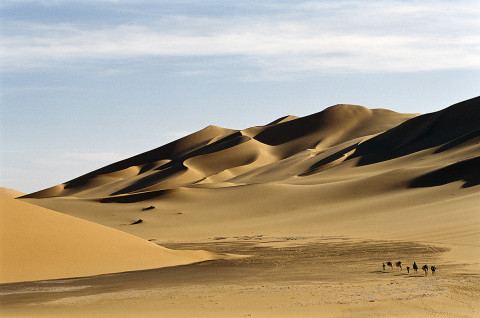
341	170
11	193
424	132
217	155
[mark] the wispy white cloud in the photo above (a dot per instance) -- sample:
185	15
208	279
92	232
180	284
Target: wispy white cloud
338	36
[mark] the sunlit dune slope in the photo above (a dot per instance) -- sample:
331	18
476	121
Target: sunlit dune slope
38	244
215	154
347	170
10	192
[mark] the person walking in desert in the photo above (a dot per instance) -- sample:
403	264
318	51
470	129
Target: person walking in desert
425	269
415	267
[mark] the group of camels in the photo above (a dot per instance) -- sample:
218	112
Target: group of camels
415	267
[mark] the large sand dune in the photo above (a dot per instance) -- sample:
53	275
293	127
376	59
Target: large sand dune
319	201
215	155
347	170
39	244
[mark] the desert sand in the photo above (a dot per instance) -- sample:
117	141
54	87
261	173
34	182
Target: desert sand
319	203
11	193
40	244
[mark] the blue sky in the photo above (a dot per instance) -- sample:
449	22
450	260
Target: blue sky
87	83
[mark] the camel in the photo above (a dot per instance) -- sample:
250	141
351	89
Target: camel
389	264
399	265
415	267
425	269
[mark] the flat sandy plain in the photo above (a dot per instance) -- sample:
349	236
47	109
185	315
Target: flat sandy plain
283	277
291	219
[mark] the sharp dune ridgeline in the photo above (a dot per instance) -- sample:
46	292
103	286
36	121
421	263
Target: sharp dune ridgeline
222	157
400	175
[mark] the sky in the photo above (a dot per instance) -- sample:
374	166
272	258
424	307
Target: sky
87	83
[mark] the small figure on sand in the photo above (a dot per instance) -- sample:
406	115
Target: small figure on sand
383	266
433	268
389	264
415	267
399	265
408	269
425	269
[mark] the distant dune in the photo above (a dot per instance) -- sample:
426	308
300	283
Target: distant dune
218	155
39	244
346	170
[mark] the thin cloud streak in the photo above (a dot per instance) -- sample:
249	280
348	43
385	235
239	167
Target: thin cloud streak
375	36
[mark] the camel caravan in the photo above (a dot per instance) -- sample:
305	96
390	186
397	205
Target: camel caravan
414	267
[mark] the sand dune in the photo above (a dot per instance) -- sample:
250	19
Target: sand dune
321	201
39	244
11	193
330	172
216	154
455	124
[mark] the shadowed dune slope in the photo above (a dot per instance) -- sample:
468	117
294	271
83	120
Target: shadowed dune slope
452	126
139	166
215	155
38	244
347	170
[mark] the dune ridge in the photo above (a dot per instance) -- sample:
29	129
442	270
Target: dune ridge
217	154
347	188
317	202
340	170
424	132
11	193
